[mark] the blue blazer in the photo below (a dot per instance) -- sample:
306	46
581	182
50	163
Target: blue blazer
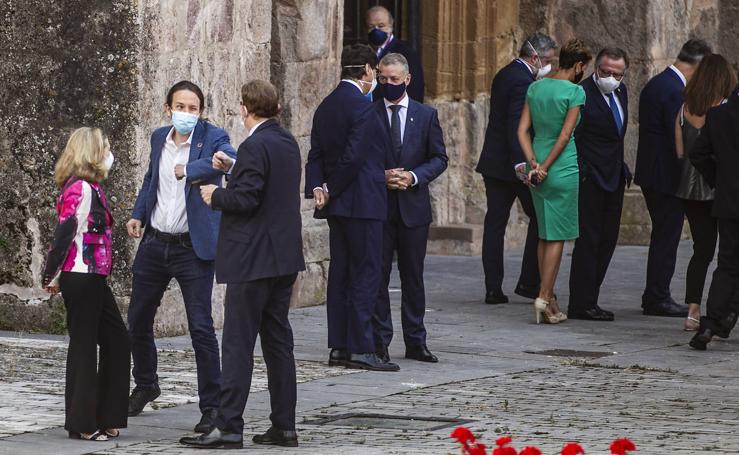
202	221
600	146
422	152
501	150
657	166
345	154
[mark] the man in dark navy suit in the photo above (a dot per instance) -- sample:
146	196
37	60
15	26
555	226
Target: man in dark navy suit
380	25
180	243
501	155
345	174
260	252
603	178
658	175
414	155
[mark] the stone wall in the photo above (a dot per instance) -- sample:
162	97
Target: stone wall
70	63
63	64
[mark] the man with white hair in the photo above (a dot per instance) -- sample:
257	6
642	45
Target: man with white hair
414	156
380	26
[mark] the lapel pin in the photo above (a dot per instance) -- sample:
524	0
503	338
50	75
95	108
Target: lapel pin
411	119
200	145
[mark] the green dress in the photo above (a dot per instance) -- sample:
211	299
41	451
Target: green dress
555	199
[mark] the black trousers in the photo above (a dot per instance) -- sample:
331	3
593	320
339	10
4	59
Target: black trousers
666	213
704	230
96	394
723	296
354	277
258	307
600	220
410	244
501	195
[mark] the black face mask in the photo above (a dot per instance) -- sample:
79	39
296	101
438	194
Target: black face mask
578	77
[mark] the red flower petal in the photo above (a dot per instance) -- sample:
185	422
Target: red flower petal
500	442
621	446
463	435
530	451
572	448
477	449
504	451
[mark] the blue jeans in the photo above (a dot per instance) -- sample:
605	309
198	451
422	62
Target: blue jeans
155	265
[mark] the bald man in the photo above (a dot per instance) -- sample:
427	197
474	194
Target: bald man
380	24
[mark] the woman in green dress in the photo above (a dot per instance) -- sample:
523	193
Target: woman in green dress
552	111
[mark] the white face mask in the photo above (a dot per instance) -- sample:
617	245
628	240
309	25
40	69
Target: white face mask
607	84
108	162
543	71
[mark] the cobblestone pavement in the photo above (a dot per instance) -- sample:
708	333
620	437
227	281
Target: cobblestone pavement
498	372
33	399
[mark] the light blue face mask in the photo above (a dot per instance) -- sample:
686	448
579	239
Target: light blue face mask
183	122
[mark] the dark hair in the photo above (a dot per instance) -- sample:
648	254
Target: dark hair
615	53
354	58
713	81
693	51
186	85
573	52
538	43
260	98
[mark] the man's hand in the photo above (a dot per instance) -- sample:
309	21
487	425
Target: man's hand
398	179
321	198
179	171
134	228
206	192
222	162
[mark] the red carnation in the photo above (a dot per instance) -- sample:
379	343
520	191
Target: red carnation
621	446
500	442
572	448
477	449
504	451
463	435
530	451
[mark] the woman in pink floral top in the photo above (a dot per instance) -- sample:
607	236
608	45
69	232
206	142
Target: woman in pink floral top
78	263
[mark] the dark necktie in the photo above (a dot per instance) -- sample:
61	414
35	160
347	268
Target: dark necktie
395	129
616	114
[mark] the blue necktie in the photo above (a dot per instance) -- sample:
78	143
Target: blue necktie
614	111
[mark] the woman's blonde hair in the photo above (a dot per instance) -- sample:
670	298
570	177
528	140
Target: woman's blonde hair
83	156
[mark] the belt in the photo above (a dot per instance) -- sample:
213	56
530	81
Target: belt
171	238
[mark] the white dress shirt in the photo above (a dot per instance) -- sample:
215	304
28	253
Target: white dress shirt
170	213
403	114
679	74
608	100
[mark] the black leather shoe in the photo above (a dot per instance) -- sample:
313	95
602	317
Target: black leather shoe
207	421
369	361
701	339
593	314
382	354
495	297
420	353
140	398
215	439
530	292
337	358
275	437
668	308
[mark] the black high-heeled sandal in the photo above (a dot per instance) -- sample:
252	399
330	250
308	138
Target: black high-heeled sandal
96	436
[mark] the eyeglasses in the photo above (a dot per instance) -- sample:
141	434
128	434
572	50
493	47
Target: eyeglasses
604	73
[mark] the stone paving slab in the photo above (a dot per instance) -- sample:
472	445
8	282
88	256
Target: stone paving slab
650	386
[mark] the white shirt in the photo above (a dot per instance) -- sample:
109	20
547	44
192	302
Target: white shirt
679	74
170	213
403	114
608	101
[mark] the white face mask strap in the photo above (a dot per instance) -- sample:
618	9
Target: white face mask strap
536	54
